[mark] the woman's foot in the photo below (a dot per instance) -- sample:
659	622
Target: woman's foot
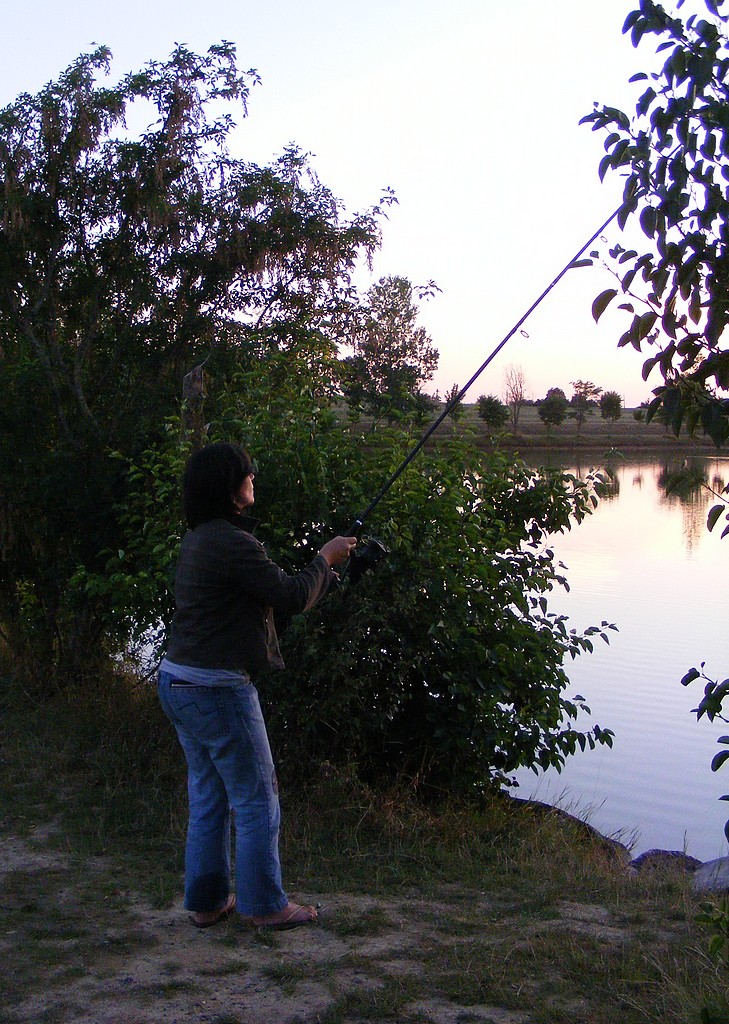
207	918
292	916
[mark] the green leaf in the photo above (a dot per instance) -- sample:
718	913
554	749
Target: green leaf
645	324
648	221
714	512
602	301
643	104
719	759
692	674
611	140
651	411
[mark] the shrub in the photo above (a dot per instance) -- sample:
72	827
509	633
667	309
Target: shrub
445	662
492	411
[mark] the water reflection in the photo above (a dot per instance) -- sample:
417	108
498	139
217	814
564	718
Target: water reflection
646	561
692	484
687	484
609	489
684	482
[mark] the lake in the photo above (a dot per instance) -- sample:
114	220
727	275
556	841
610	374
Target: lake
646	561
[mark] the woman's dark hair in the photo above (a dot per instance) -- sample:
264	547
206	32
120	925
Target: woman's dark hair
212	476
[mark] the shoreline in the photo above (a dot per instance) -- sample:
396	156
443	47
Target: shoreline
626	436
706	875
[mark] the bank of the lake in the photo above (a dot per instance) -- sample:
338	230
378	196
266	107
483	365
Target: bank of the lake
646	561
500	912
598	435
496	912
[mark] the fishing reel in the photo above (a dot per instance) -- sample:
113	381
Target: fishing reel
365	558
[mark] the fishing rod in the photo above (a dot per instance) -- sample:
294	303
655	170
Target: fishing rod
360	520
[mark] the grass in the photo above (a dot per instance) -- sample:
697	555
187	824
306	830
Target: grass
499	904
362	922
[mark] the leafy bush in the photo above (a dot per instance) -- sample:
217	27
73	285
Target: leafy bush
711	705
714	915
671	155
161	255
553	409
492	411
444	663
611	405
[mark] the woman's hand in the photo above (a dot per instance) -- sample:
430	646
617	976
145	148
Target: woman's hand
337	549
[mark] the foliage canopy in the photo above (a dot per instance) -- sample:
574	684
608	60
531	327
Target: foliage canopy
392	356
128	262
444	663
582	401
492	411
611	405
673	156
553	408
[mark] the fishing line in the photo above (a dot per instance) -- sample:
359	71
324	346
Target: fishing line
360	520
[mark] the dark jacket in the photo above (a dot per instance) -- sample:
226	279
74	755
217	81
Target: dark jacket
226	590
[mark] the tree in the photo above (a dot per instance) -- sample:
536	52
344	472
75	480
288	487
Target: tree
457	412
392	357
514	392
553	407
583	400
673	155
125	262
611	405
492	411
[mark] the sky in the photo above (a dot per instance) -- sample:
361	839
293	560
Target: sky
468	110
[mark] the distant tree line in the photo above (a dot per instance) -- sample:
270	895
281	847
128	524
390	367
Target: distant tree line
553	409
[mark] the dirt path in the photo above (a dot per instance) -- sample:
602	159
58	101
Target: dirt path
78	945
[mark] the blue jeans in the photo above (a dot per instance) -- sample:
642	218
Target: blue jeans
229	763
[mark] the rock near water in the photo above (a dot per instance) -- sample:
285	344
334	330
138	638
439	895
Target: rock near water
713	876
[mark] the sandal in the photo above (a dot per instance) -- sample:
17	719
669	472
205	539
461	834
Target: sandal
224	912
294	916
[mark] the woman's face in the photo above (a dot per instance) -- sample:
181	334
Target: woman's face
244	496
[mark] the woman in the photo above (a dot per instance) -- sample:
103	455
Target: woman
223	634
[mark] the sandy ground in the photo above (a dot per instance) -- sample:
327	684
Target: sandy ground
78	946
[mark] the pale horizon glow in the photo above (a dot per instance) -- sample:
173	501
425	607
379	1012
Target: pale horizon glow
469	113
